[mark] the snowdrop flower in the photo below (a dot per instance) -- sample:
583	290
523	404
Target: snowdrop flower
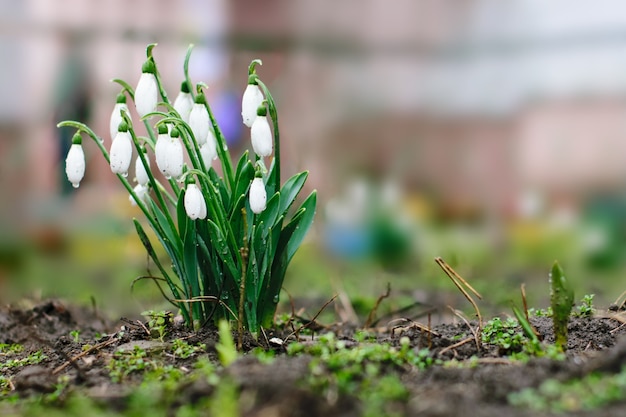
252	98
175	156
261	134
142	194
147	91
199	120
184	102
141	175
169	153
116	114
121	151
75	161
161	148
195	206
208	152
258	195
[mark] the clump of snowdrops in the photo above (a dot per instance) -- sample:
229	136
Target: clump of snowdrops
230	232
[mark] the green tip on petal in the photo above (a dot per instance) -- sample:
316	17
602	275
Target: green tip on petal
123	127
174	132
77	139
184	87
253	79
162	129
121	98
200	98
262	109
149	67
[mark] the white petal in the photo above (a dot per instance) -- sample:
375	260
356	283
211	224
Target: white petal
195	206
208	151
140	171
161	150
146	94
261	136
175	159
142	194
258	196
116	118
121	153
75	164
183	105
199	122
252	98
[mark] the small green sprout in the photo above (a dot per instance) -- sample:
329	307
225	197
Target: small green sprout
585	309
226	346
75	335
158	322
561	300
506	334
127	362
184	350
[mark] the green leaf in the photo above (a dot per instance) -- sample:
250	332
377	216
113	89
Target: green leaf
152	254
218	242
290	190
304	222
269	216
167	234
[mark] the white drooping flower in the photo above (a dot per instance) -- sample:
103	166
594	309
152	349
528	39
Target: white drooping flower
116	114
252	99
195	206
146	94
75	162
142	194
141	175
261	136
258	195
175	157
121	153
183	102
208	154
169	153
161	148
199	120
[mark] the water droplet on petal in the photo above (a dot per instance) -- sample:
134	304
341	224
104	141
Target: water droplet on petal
275	299
76	185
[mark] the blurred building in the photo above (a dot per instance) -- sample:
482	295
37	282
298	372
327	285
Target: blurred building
471	102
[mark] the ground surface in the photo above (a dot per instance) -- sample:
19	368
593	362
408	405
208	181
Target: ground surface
457	377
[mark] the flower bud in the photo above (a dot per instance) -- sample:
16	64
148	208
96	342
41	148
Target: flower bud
184	102
116	114
147	91
199	120
252	98
258	195
261	134
121	152
195	206
75	161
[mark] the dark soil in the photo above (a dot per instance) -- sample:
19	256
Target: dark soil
278	389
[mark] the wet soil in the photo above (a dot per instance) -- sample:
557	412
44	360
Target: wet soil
481	388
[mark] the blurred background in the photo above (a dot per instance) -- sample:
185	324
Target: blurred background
490	133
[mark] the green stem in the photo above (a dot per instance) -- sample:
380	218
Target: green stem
274	116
